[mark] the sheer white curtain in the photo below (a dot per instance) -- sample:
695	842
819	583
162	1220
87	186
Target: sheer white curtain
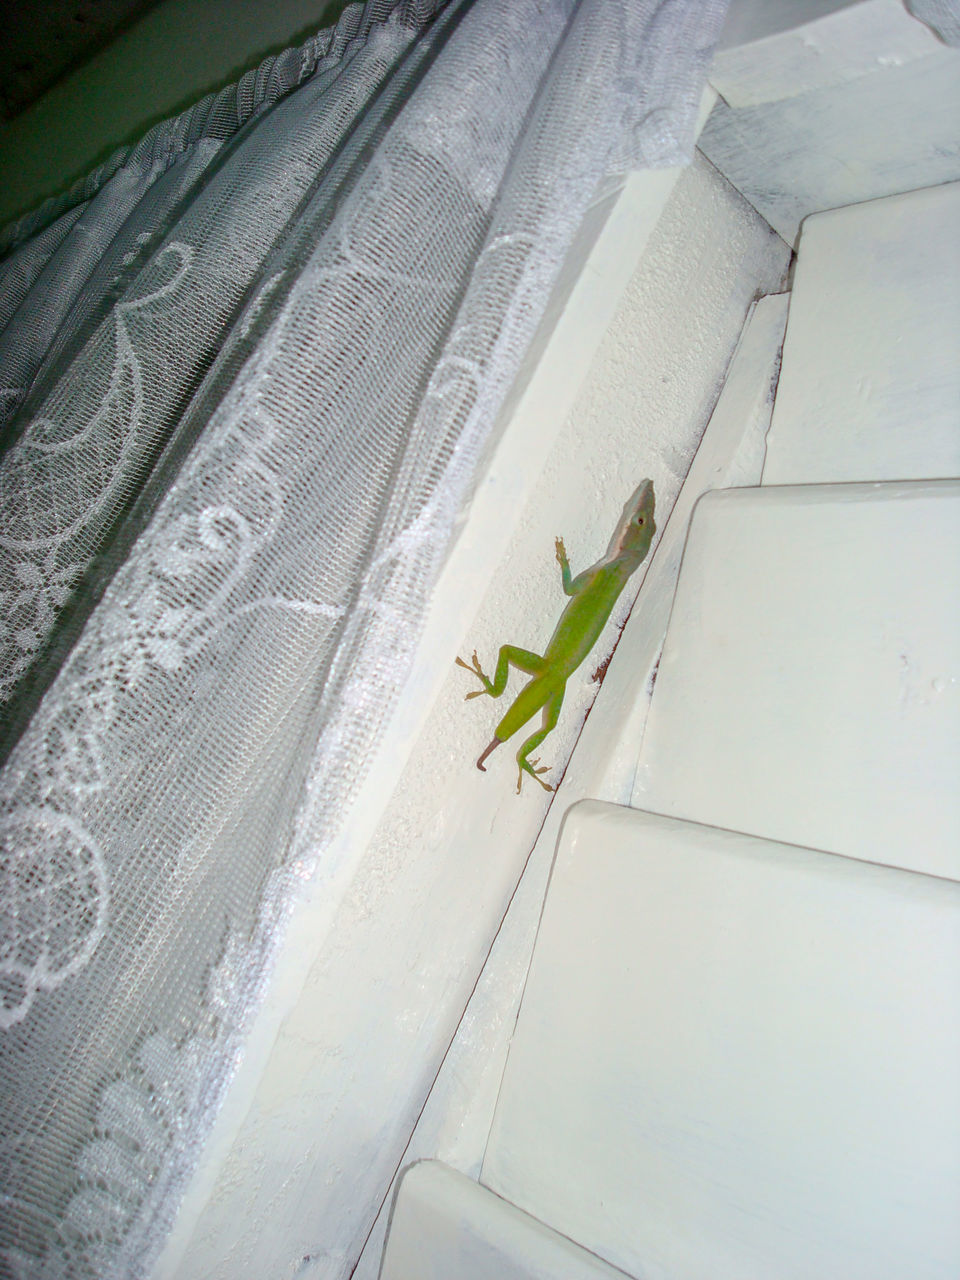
247	371
943	16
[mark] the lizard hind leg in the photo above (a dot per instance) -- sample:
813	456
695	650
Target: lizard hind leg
551	714
527	767
478	671
509	656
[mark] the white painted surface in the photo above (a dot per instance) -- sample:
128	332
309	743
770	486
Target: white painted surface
456	1118
876	134
870	386
820	51
377	972
447	1227
749	21
809	688
737	1060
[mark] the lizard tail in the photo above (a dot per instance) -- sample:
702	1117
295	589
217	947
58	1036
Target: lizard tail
492	747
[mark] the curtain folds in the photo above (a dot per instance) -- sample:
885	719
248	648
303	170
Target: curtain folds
247	373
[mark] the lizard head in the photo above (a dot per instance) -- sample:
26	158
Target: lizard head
634	533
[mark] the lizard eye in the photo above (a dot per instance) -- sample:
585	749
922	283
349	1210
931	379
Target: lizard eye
639	519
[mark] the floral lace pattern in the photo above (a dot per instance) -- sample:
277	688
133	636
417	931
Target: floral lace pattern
77	466
139	1116
53	905
175	599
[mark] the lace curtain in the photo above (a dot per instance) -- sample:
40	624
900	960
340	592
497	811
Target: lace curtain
247	372
942	16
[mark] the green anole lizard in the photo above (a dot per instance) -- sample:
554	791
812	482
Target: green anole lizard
593	594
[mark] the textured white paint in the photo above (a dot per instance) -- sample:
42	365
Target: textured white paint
456	1119
393	969
749	21
447	1227
877	134
870	387
737	1059
821	51
809	688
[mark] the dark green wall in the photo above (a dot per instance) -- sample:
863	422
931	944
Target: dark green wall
179	51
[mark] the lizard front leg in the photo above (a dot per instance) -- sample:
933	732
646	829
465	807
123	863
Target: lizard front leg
572	586
564	564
